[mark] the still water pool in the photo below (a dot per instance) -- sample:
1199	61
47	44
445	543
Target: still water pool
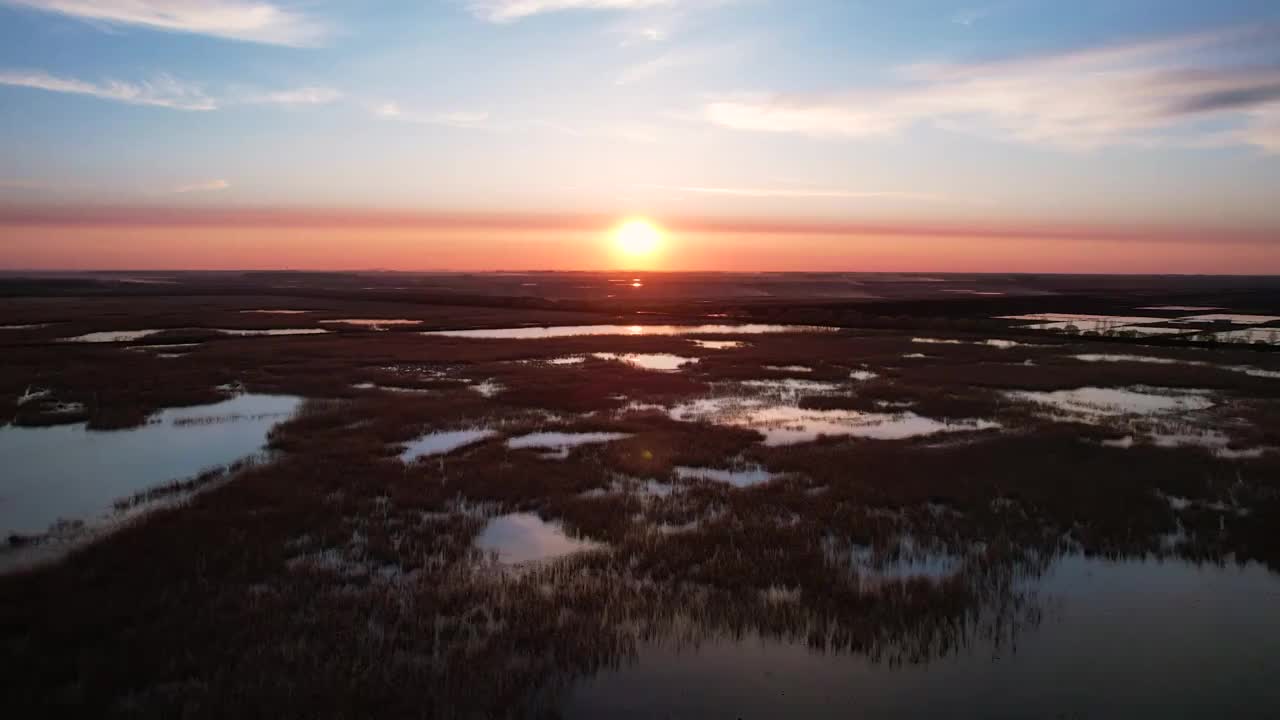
1132	639
69	472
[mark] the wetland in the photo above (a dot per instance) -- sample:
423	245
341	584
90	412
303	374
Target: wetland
496	507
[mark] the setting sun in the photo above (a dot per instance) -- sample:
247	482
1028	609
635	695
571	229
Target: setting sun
637	238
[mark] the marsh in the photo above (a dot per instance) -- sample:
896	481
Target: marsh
674	520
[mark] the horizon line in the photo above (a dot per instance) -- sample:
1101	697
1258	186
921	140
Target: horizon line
337	217
623	271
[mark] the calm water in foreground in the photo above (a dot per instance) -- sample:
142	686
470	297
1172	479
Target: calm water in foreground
1134	639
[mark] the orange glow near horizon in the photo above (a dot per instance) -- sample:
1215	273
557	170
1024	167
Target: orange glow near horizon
47	247
87	238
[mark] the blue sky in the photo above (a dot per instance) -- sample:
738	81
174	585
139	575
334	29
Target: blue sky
1021	111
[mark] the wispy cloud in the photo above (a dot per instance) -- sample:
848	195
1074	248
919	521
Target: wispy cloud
1139	93
74	187
809	193
209	186
162	91
458	118
165	91
503	11
297	96
245	20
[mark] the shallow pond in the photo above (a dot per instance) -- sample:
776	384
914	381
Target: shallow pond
1183	308
1069	322
718	344
783	424
1138	325
1112	357
28	326
745	477
271	331
562	440
519	538
111	336
533	333
1117	639
442	443
789	368
937	341
372	323
1084	317
1213	440
166	347
791	387
1106	357
989	342
68	472
487	388
1160	417
1096	401
665	362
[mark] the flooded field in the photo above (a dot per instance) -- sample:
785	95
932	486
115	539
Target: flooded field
808	509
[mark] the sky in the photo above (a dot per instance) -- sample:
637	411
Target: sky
1127	136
